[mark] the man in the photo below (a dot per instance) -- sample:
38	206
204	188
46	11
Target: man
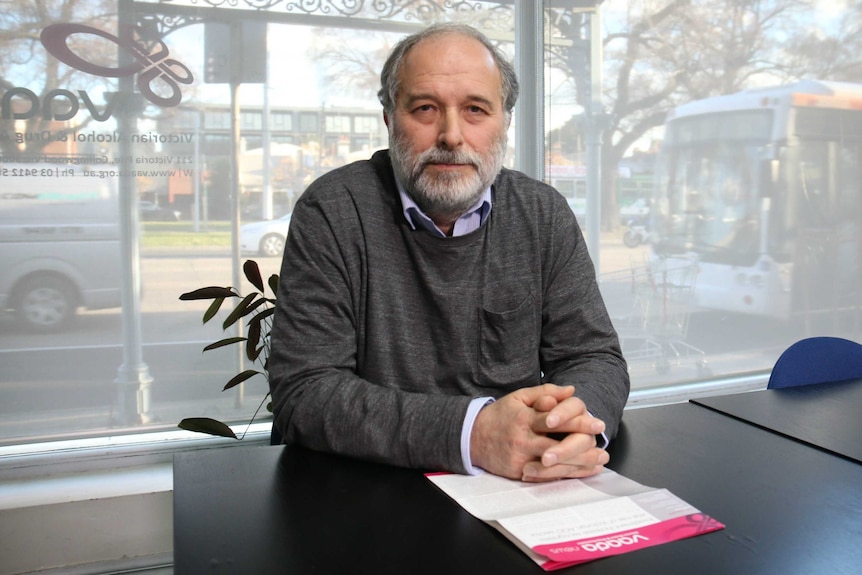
427	293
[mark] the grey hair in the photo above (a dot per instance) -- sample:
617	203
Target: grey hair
389	76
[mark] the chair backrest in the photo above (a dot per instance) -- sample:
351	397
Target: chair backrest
817	360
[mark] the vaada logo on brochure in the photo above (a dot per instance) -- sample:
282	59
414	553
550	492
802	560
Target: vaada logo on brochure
600	546
159	76
622	541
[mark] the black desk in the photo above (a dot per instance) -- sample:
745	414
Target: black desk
260	510
827	416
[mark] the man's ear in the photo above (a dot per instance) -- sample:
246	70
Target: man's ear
386	119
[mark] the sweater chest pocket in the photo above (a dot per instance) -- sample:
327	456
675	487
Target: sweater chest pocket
508	345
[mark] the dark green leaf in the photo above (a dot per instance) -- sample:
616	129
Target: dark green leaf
259	321
224	342
211	292
251	347
264	314
239	378
252	274
254	305
207	425
273	283
213	309
239	311
253	354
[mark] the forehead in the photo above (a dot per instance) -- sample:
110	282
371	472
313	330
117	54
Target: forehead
451	62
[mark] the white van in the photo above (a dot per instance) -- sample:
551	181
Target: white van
59	243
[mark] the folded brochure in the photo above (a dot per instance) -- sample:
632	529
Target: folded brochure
570	521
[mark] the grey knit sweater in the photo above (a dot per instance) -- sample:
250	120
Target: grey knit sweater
382	334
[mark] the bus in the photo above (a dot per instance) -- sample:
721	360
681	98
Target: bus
761	190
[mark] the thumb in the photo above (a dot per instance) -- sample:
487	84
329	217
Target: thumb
544	394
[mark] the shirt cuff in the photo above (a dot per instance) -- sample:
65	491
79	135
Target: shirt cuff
473	410
604	440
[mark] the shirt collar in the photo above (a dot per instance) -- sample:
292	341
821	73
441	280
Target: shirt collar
417	219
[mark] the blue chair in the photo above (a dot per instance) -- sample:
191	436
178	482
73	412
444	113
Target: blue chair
817	360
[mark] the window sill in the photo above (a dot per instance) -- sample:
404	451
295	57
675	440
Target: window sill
95	502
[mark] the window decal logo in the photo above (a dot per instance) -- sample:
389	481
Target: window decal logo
151	65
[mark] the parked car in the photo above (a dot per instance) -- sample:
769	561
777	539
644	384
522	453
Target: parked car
151	212
264	238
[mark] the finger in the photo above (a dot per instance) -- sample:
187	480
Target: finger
573	449
545	403
584	423
561	472
529	395
587	463
570	416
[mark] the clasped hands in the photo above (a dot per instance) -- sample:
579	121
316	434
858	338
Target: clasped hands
539	433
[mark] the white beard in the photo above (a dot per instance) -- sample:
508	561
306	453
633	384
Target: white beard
444	195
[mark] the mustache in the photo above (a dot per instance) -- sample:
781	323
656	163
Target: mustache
441	156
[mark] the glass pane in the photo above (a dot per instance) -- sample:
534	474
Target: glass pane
730	197
728	228
758	196
116	194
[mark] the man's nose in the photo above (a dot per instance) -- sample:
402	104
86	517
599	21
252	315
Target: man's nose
450	136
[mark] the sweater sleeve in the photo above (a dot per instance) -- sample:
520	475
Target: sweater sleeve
319	400
579	345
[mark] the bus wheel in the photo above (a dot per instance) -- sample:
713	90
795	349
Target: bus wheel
45	303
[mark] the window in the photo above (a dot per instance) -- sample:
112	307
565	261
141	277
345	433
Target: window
217	120
250	121
95	340
339	124
282	121
366	124
309	122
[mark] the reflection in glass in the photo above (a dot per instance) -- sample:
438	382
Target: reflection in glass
761	190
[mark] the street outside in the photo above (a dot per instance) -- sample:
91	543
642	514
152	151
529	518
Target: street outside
67	381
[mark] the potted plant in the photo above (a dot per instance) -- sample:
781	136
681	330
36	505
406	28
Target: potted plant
258	308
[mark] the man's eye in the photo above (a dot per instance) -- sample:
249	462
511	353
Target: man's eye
424	108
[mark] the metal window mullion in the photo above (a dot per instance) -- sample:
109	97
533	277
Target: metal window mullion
530	65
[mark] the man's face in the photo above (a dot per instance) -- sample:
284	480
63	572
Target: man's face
448	129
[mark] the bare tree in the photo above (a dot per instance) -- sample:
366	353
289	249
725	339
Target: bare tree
832	55
660	54
355	72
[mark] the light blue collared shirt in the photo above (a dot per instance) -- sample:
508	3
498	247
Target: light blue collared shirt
470	221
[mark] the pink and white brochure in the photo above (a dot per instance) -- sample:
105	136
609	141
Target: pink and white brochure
571	521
